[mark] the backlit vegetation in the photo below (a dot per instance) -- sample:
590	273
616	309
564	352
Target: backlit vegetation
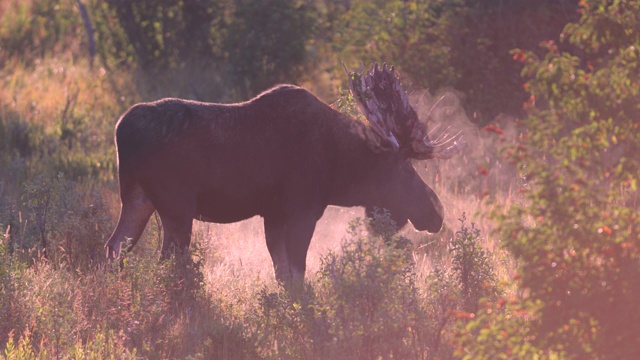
540	254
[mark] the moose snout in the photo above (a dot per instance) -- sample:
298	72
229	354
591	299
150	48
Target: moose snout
431	223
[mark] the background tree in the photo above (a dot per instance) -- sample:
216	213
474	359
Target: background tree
34	29
456	44
409	34
163	34
267	43
481	35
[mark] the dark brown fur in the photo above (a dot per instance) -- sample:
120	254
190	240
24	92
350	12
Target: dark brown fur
284	155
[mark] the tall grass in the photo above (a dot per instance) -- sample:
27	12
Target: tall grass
369	298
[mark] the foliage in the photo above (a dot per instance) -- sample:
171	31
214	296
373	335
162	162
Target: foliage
250	45
267	43
397	32
486	31
347	104
504	329
10	268
287	325
576	238
33	29
253	45
22	350
472	267
456	44
56	220
146	309
366	301
369	297
363	304
161	34
458	290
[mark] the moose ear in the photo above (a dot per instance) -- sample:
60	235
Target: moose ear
384	103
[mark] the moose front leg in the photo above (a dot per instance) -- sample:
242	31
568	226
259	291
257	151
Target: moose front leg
298	236
274	230
288	240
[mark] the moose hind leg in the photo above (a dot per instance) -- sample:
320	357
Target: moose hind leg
134	215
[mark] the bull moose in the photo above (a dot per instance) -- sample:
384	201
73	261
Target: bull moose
284	155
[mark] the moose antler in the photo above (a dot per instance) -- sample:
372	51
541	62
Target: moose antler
380	97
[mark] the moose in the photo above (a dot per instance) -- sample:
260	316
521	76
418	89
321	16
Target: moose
284	155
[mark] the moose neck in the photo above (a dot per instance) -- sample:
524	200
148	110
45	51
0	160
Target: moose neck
362	167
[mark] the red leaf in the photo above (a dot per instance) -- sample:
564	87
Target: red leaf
494	129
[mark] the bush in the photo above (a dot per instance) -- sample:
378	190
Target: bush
32	29
472	267
576	237
288	324
160	34
58	219
457	293
504	329
368	294
10	269
363	303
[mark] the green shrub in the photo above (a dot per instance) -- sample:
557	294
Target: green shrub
22	350
347	104
160	34
368	294
10	271
504	329
267	43
58	218
472	267
575	238
32	29
288	324
147	308
456	293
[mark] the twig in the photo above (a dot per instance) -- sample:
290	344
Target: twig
90	31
